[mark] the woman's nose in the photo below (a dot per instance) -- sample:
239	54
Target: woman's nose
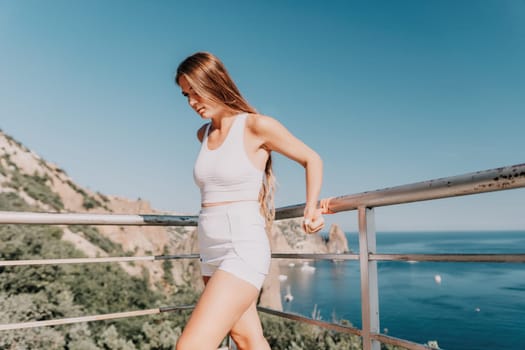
192	101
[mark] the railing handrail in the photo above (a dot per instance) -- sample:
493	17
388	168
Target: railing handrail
497	179
37	218
494	258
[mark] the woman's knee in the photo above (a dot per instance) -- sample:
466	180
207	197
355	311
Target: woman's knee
252	340
240	340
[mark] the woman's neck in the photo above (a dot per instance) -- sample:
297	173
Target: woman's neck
223	120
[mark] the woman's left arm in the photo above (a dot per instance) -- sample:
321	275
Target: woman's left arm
276	137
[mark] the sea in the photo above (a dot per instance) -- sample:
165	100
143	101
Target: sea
462	306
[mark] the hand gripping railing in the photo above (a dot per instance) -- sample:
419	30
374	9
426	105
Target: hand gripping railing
504	178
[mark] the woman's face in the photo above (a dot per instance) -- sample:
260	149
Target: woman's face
205	108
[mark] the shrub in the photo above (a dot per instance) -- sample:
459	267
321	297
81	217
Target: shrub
92	234
88	202
3	170
36	187
10	201
167	265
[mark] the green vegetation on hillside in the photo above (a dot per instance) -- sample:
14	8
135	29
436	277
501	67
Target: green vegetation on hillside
35	186
88	202
92	234
29	293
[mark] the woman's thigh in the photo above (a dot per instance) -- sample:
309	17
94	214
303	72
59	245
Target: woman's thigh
224	300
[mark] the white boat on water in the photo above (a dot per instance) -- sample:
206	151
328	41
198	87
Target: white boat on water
307	268
288	296
433	344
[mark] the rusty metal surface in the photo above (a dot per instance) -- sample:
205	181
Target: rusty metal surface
504	178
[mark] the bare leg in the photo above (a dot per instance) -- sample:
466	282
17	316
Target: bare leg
224	301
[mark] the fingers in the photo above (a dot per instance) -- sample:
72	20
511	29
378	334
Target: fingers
313	220
313	225
305	229
324	204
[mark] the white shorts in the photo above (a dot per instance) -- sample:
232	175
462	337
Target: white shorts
232	238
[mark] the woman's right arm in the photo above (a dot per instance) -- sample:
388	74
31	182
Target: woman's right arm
277	138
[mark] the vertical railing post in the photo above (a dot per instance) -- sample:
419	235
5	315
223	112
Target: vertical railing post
369	288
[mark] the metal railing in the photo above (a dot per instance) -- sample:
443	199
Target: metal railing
505	178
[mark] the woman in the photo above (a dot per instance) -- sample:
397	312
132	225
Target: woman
233	171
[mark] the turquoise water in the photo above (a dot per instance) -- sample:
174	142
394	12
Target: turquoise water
473	306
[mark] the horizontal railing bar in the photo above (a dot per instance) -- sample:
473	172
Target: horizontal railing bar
112	316
482	181
95	260
326	325
11	326
31	218
399	342
315	256
38	262
176	308
501	258
75	260
177	257
102	317
497	258
498	179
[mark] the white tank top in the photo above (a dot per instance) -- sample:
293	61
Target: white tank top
226	173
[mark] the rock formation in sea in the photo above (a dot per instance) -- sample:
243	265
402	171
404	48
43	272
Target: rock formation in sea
337	242
288	237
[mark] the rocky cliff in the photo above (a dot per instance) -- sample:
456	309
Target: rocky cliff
48	188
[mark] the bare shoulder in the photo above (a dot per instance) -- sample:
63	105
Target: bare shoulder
201	131
260	124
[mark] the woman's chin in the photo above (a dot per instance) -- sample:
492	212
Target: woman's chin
203	114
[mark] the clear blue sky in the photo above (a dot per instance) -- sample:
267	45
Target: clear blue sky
387	92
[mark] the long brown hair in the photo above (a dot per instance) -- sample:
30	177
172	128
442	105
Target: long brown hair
209	78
